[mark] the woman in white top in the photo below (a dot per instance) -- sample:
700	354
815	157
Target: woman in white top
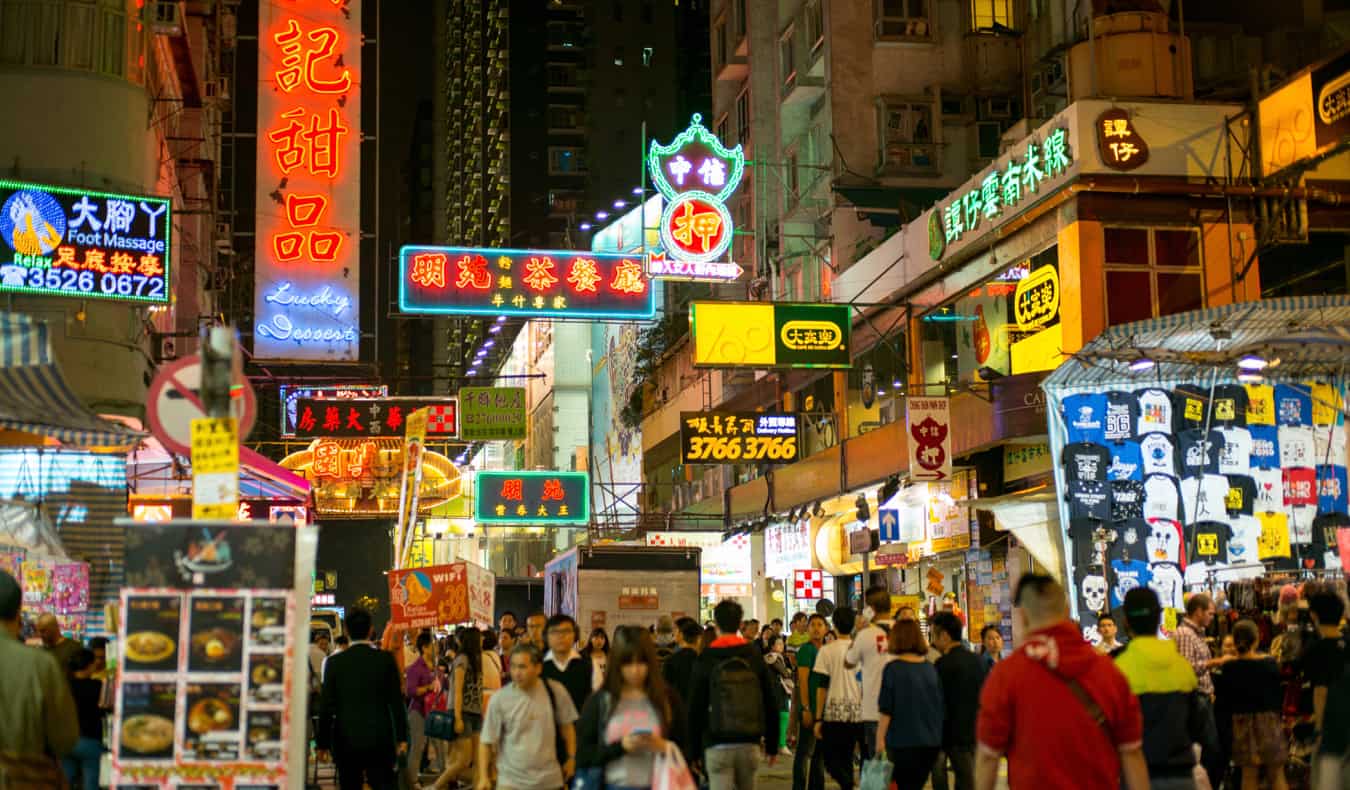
597	650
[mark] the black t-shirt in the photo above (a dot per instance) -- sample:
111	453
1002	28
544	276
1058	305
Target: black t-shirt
1121	412
1082	534
1324	529
1211	541
87	693
1323	662
962	674
1250	686
1230	405
1127	499
1336	720
1241	495
1085	461
1089	499
1190	406
1198	452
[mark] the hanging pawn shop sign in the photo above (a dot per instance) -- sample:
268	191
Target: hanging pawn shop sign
695	174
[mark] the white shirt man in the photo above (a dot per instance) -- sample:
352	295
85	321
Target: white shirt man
870	651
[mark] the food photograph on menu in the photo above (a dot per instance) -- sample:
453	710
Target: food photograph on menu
216	634
267	623
145	731
263	735
211	730
265	679
152	633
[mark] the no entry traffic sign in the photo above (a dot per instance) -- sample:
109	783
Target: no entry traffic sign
175	400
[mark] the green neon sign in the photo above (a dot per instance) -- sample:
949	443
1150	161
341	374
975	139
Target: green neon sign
543	498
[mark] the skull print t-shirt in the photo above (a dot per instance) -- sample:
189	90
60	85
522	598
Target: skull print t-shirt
1092	593
1154	411
1086	461
1085	418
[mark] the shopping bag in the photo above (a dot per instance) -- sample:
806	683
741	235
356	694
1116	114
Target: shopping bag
876	774
670	772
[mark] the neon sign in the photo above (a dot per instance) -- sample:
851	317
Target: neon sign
82	243
356	418
532	498
696	174
531	283
291	395
306	301
999	191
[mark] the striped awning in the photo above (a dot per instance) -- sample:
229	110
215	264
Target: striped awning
1309	334
34	395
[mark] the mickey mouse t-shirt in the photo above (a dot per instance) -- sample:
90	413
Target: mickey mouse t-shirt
1085	461
1121	412
1265	452
1158	454
1154	411
1126	461
1230	405
1085	418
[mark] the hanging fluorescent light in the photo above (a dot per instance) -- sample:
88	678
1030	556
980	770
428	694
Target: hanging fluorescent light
585	226
1254	363
1249	377
637	190
602	215
1141	364
619	204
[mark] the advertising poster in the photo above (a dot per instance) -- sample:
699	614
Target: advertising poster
207	672
440	595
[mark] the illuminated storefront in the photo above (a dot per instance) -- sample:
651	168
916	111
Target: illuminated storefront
358	478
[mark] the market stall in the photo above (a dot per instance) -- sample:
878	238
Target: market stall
1201	449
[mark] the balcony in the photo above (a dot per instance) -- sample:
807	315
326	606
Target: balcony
734	69
911	159
802	88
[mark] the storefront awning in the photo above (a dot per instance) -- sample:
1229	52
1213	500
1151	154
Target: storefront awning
34	395
1034	519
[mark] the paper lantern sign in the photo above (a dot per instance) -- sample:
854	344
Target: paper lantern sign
808	584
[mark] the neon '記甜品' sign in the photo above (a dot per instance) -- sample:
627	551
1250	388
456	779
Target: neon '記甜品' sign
60	241
696	174
307	274
532	498
1001	192
530	283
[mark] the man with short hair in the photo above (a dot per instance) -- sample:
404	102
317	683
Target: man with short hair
1324	659
871	651
776	625
1164	682
506	641
534	630
808	766
319	649
37	712
518	747
731	706
1062	714
750	630
563	663
62	647
1106	627
1191	643
665	638
680	666
507	621
797	635
838	703
362	722
962	674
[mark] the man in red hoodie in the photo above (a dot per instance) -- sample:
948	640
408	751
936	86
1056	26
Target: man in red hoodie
1061	713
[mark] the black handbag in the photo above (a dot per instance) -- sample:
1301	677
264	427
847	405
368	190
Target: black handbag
441	724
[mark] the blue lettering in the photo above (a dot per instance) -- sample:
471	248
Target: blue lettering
325	299
280	327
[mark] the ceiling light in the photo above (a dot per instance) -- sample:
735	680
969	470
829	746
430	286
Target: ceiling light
494	329
1247	377
585	226
637	190
602	215
1252	362
501	319
619	204
1141	364
896	383
490	343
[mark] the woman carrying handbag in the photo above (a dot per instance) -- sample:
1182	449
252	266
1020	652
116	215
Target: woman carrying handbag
624	726
465	700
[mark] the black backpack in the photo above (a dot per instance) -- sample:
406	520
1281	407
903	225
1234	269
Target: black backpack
736	704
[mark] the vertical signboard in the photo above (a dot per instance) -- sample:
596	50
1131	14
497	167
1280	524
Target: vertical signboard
307	275
930	445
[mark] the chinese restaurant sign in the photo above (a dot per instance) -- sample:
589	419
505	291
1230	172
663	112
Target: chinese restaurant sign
770	335
737	437
83	243
532	498
696	174
308	263
373	418
530	283
488	413
290	396
1000	193
1120	144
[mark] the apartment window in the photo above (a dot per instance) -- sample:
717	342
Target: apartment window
743	116
562	75
564	116
738	17
991	14
719	52
84	35
566	160
720	129
1152	272
815	25
901	19
790	180
787	69
618	10
618	55
989	135
907	135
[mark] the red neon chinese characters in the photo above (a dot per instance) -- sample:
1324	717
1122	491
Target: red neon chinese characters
150	266
553	490
513	489
689	224
327	460
354	421
332	419
315	146
539	274
324	245
394	418
65	256
628	278
297	64
584	275
473	273
428	270
306	420
121	263
303	211
286	247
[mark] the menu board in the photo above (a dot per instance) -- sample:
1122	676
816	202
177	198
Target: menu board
203	699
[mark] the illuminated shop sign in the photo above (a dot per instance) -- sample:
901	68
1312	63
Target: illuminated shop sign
489	413
1001	193
357	418
60	241
530	283
532	498
291	395
306	301
696	174
770	335
710	437
663	268
1120	144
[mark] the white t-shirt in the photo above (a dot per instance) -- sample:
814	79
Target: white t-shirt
1333	437
1269	490
1296	446
1300	523
1159	454
1243	544
1160	497
1236	456
843	699
1155	412
1204	498
871	651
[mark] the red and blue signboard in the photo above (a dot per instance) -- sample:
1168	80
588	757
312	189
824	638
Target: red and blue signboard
82	243
527	283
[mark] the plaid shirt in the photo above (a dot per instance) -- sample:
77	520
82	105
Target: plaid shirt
1192	646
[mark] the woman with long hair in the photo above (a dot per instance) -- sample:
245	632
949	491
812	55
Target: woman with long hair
632	718
597	650
909	731
780	669
466	701
1249	689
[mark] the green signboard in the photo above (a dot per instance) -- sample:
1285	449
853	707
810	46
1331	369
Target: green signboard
771	334
488	413
559	498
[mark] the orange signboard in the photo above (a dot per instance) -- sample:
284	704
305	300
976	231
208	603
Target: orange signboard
439	595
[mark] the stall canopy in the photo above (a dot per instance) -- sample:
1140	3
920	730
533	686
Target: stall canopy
34	395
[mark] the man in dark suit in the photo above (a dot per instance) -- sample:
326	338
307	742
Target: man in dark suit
362	720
